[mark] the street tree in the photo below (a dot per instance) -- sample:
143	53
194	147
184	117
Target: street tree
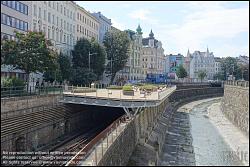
82	76
202	75
181	72
90	56
117	47
64	66
30	52
230	67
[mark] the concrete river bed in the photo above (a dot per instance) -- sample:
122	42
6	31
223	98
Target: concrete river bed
193	139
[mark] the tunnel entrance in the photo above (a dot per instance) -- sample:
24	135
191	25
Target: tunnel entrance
20	144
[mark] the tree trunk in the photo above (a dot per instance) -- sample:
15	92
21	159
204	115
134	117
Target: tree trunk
112	78
27	81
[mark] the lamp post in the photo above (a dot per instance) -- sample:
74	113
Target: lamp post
89	57
58	45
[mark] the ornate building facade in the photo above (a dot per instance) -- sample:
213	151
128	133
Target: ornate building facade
133	69
200	61
152	55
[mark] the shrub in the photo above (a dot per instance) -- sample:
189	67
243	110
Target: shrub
12	82
114	87
149	87
83	90
127	88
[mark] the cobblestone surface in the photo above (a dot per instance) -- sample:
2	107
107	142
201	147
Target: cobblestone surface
178	149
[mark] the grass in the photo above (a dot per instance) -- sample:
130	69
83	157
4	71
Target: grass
83	90
127	88
115	87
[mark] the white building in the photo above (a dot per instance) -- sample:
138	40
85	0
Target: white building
105	25
201	61
63	23
218	65
152	55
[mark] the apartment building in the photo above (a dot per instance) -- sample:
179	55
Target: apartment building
15	16
87	25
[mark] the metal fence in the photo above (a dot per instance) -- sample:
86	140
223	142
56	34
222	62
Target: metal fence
101	92
102	137
7	92
237	83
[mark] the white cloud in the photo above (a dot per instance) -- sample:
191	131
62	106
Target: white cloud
141	14
118	25
217	23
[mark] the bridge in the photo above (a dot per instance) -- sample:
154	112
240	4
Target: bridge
131	104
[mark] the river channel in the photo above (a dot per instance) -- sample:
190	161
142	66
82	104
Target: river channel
192	139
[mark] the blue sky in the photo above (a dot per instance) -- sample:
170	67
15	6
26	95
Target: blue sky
222	26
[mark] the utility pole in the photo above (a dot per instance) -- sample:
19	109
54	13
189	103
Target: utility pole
89	58
233	73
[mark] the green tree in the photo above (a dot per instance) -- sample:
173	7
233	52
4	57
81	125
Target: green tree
97	62
229	67
30	52
85	49
82	76
219	76
202	75
64	66
53	74
117	47
181	72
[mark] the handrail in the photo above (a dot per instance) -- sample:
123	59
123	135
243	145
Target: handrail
94	141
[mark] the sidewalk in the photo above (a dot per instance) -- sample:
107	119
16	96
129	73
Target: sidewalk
238	142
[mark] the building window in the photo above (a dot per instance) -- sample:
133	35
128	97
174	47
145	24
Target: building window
61	8
34	10
48	33
57	6
34	26
53	34
57	21
64	25
40	12
44	15
53	19
49	16
13	22
16	5
57	36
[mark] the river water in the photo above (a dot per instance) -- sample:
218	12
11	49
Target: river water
193	140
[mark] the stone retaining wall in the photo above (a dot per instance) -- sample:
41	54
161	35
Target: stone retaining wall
235	106
143	139
18	103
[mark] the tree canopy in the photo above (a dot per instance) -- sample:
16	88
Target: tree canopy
181	72
117	47
29	52
202	75
83	50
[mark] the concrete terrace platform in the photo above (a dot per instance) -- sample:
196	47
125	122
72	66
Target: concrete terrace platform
115	98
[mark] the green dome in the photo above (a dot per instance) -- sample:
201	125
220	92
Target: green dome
139	30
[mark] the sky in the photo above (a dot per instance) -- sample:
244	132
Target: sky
221	26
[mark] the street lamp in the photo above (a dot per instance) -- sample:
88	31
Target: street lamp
89	58
58	45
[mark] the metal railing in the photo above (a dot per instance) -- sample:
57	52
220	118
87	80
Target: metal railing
237	83
92	145
7	92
